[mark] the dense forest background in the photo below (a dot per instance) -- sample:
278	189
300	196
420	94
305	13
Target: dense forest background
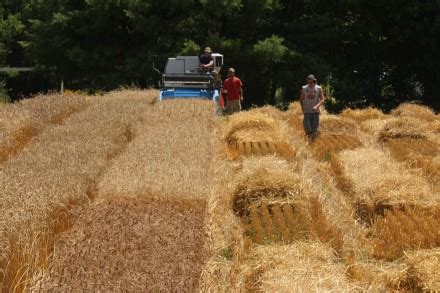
366	52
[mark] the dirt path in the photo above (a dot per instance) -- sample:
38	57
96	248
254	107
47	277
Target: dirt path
130	245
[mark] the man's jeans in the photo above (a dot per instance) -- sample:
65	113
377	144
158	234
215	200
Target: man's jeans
311	124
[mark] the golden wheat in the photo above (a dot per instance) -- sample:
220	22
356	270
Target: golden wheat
378	179
360	115
405	229
57	170
414	111
90	185
20	122
423	270
302	266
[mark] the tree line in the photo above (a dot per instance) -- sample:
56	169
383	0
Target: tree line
365	52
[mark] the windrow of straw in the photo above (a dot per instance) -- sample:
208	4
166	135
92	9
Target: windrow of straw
360	115
415	142
373	127
274	205
254	121
423	271
379	180
405	127
417	271
419	112
294	117
232	189
57	171
418	153
301	266
271	111
265	185
257	133
377	276
21	121
331	124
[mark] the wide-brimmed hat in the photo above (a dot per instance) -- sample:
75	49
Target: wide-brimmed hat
208	49
231	70
311	77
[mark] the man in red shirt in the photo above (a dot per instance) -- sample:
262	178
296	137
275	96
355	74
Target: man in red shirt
233	91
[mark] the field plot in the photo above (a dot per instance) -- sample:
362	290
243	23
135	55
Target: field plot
157	246
54	190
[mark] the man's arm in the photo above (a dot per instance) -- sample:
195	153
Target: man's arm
321	100
301	99
209	65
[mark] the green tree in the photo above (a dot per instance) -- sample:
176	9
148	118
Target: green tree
10	27
376	52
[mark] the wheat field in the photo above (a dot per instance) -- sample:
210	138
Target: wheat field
122	192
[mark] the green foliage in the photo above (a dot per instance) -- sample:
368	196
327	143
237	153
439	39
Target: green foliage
270	50
4	98
190	48
378	52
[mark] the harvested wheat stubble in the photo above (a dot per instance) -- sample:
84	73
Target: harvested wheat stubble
327	144
284	223
405	229
130	245
20	122
336	134
262	147
56	170
379	181
298	267
414	111
360	115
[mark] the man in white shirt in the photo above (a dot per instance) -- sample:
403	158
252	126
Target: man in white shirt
311	100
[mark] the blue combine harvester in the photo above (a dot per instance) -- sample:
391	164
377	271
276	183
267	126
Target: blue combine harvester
183	79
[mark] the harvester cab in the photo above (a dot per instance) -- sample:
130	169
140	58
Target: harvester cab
183	79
